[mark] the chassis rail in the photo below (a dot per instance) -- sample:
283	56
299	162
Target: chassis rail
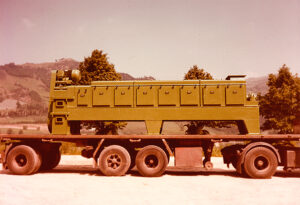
7	137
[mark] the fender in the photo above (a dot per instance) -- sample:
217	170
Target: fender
251	146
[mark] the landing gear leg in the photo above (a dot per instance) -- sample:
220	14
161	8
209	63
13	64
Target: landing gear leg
208	146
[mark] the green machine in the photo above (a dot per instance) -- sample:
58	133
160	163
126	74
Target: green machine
150	101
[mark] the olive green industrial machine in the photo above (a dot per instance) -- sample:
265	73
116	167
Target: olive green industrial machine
150	101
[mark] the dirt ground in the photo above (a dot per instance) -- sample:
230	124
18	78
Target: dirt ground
75	181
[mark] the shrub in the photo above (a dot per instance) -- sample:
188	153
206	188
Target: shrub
68	148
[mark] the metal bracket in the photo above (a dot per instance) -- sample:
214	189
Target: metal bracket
96	151
168	147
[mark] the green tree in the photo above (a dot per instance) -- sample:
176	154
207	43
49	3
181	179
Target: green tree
98	68
281	104
196	127
195	73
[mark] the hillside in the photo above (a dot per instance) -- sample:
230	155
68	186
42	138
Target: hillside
257	85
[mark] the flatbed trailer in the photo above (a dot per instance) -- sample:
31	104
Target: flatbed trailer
256	156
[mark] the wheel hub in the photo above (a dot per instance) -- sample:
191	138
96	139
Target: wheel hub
261	163
114	161
21	160
151	161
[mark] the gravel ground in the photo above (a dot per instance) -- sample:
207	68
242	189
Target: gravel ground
75	181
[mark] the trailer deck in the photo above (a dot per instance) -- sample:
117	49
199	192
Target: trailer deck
7	137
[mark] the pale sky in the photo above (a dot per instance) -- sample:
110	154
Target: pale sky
162	38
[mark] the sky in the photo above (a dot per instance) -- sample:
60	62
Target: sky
161	38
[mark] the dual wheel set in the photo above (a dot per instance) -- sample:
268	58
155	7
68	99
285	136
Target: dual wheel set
258	162
28	159
115	160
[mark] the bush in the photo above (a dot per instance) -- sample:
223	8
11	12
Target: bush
68	148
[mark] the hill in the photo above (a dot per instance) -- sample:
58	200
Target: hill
257	85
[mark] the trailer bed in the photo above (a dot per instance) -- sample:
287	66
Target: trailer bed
7	137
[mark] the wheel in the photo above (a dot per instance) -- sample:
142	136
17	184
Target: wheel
38	163
260	162
23	160
208	165
50	159
114	161
151	161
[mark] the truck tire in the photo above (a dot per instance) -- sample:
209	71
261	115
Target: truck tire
50	159
151	161
23	160
39	162
260	162
114	160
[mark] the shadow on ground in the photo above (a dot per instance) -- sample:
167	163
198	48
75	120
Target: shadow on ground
172	171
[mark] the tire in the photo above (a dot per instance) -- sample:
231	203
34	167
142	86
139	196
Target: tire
260	163
114	161
50	159
151	161
23	160
39	162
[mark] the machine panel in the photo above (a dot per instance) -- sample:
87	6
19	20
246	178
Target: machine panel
145	95
124	96
212	95
235	95
84	96
168	95
189	95
103	96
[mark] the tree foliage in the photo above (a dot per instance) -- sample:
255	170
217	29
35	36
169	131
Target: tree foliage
281	104
195	73
98	68
196	127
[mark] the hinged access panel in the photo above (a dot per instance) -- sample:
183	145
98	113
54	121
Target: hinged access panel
124	95
235	94
189	95
103	96
212	95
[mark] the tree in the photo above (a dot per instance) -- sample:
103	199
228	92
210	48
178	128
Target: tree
197	74
280	105
97	68
196	127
